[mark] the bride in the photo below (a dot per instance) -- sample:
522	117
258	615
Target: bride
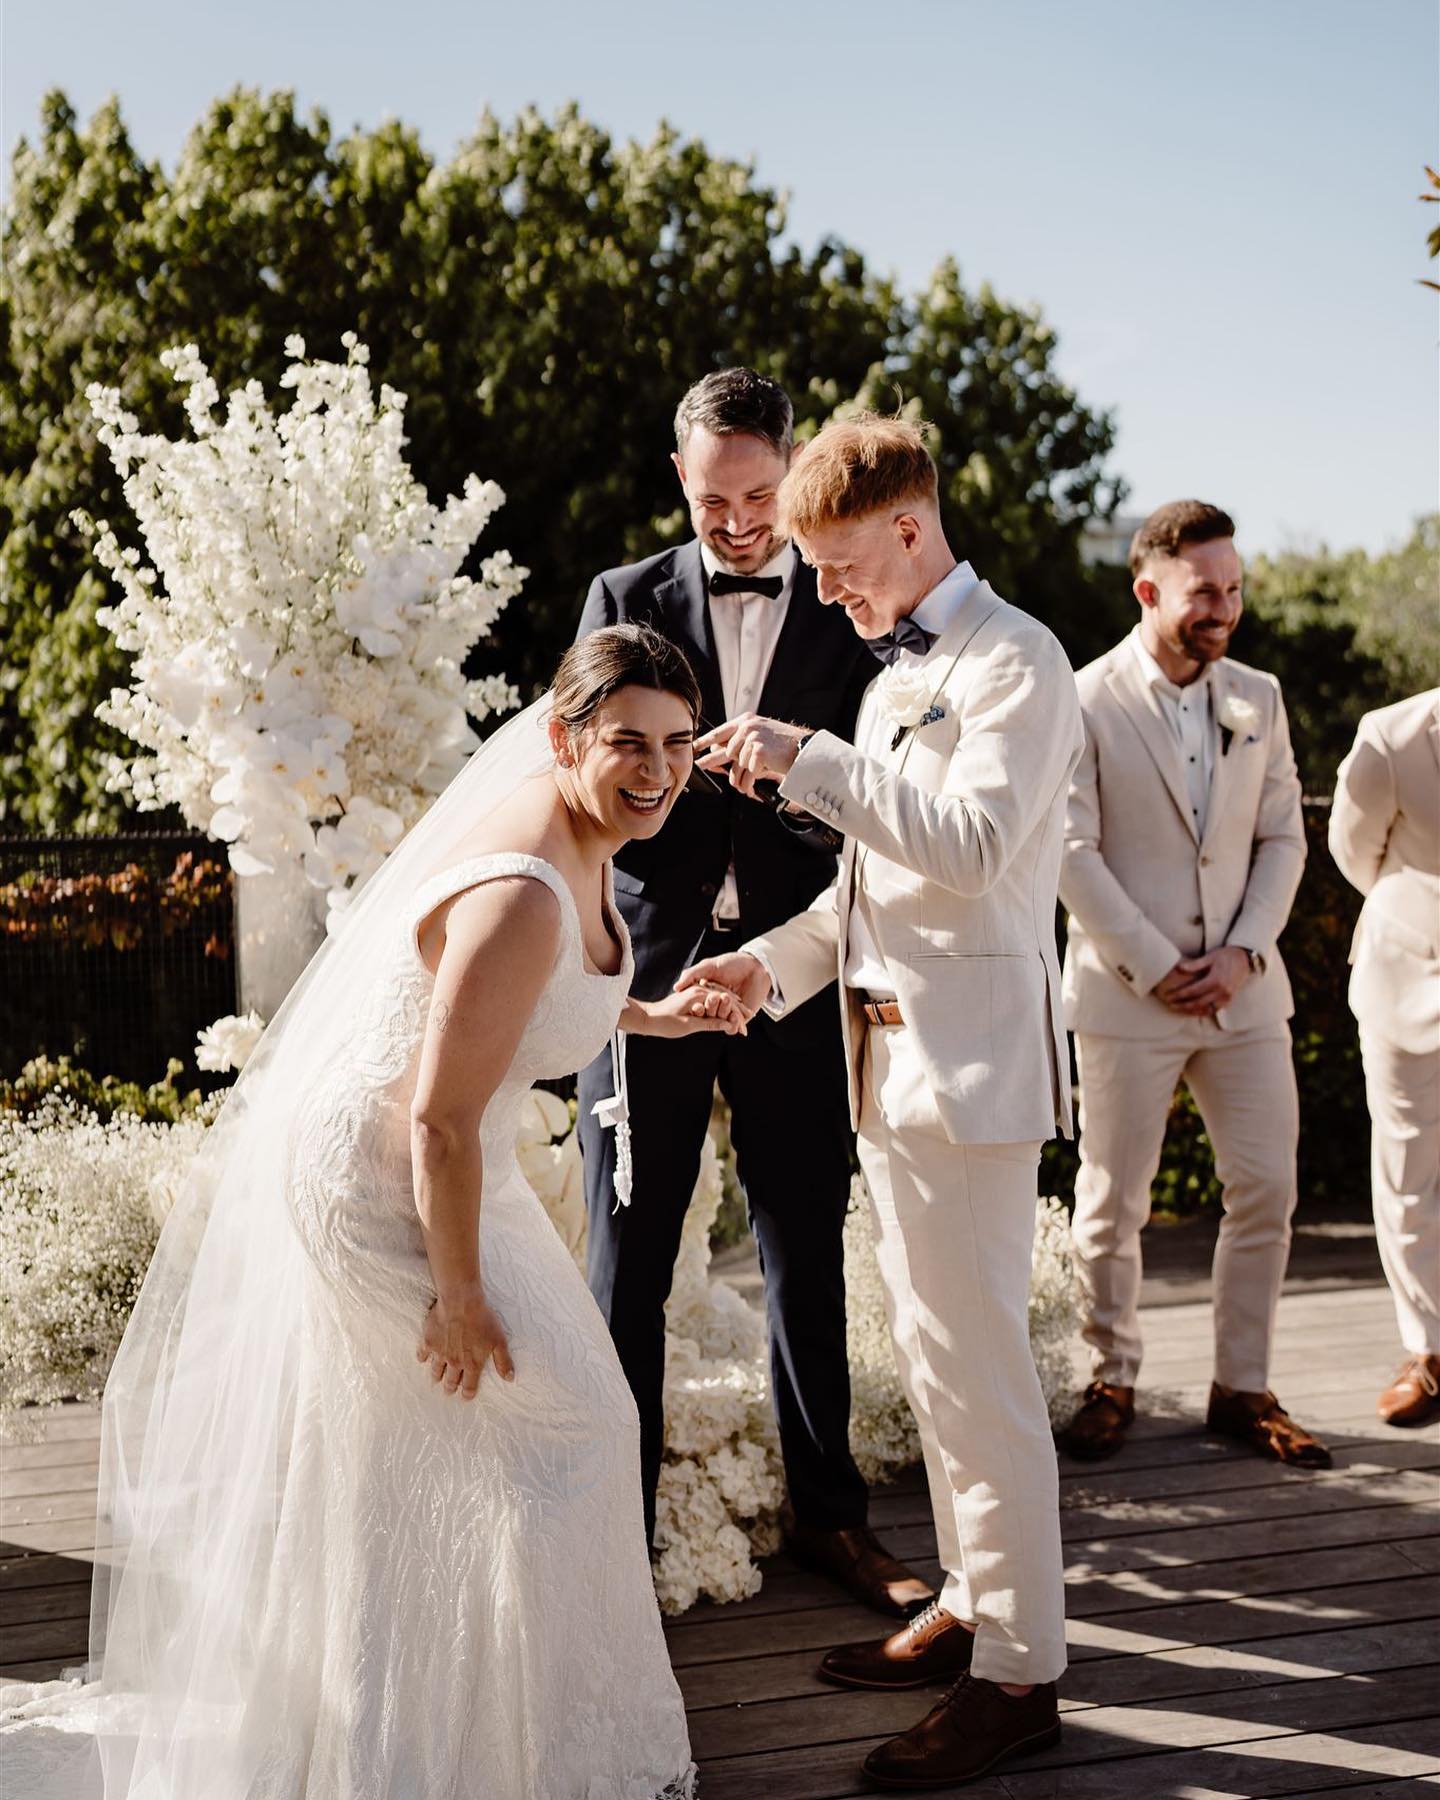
370	1495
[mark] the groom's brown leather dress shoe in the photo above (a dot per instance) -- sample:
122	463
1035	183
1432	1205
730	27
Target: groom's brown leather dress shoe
1414	1394
976	1726
1098	1428
863	1567
1262	1424
934	1646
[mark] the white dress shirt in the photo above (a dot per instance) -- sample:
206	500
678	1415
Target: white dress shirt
1190	713
864	966
746	629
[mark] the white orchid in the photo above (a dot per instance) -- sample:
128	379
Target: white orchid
301	629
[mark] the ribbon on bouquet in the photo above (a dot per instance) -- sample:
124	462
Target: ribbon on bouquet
614	1115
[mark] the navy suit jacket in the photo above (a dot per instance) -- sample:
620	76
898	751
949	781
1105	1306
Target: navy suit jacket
666	885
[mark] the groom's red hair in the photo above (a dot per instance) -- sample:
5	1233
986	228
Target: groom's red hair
854	466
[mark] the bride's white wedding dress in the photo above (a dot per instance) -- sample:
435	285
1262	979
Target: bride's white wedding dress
459	1602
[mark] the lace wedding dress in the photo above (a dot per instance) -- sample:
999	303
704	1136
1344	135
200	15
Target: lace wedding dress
458	1605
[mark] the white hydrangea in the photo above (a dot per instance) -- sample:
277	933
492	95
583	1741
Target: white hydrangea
81	1205
300	630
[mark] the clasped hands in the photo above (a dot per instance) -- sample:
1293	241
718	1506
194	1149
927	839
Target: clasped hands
1199	985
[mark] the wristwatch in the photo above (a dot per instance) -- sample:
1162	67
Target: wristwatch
1255	959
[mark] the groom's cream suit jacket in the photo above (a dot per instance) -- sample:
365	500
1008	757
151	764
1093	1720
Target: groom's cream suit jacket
952	845
1142	886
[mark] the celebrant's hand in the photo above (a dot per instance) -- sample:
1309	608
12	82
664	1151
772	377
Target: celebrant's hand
460	1335
697	1009
745	976
752	749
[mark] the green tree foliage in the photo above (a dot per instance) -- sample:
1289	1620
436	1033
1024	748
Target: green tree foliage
542	297
1344	632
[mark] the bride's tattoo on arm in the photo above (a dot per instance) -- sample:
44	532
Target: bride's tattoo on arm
442	1015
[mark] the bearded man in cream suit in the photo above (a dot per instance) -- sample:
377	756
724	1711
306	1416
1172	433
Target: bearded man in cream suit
1385	835
941	928
1184	845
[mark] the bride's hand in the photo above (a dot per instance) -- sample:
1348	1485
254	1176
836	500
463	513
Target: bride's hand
458	1338
697	1009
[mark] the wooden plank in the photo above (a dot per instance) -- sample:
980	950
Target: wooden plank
64	1600
39	1640
1292	1763
840	1716
17	1458
79	1477
1217	1668
70	1421
793	1595
1318	1495
714	1636
1222	1621
48	1509
1207	1668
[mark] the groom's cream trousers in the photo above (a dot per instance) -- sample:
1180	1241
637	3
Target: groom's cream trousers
954	1229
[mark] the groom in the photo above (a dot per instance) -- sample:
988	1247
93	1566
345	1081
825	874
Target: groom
942	929
743	609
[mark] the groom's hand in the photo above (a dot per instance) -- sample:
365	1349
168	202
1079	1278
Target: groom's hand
752	749
744	975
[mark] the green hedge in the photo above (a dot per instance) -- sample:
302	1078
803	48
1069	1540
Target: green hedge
1334	1123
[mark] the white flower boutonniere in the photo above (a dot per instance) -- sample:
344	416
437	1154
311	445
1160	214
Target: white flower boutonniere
1238	718
903	696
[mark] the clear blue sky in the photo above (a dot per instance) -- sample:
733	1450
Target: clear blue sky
1215	205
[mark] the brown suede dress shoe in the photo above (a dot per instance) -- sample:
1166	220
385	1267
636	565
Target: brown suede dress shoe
975	1727
862	1566
1262	1424
934	1646
1414	1395
1098	1428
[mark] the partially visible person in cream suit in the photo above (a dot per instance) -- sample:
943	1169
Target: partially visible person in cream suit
1184	845
941	928
1385	835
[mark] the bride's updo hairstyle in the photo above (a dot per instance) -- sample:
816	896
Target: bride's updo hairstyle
618	657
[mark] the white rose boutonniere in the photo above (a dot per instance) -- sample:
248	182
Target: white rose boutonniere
1238	718
903	696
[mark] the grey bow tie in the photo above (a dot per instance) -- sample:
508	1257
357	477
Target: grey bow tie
907	635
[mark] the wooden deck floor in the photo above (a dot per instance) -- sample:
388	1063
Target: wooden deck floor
1235	1629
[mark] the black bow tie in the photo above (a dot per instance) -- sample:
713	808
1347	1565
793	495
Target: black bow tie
907	635
771	586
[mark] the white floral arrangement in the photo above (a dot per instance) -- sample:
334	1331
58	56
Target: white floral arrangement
300	631
81	1206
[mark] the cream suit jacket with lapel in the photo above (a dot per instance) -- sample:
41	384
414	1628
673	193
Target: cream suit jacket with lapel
1385	835
1141	888
953	835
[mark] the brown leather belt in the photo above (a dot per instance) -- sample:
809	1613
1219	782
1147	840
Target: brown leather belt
882	1012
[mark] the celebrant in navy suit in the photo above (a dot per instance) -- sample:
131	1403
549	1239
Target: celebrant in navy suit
740	603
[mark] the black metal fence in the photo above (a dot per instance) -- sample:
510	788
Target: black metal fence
115	950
